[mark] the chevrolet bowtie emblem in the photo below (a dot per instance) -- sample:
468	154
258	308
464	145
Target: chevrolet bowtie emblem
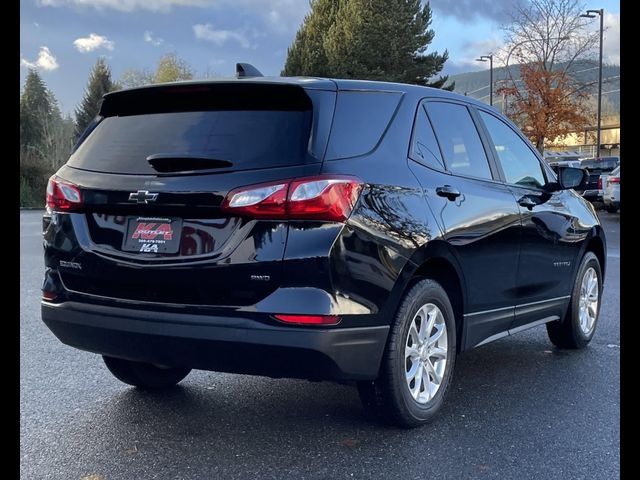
142	196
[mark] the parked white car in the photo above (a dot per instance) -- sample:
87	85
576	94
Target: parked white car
611	186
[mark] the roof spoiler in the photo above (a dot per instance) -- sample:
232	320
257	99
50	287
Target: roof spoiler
244	70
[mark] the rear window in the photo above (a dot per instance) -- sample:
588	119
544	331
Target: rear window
360	120
246	139
216	126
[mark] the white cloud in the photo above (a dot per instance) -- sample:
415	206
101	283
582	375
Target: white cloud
127	5
611	42
219	37
93	42
471	51
282	16
149	38
45	60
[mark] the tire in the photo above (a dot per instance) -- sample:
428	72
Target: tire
569	332
611	208
144	375
389	397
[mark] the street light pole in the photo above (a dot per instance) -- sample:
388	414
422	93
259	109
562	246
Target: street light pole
484	58
592	14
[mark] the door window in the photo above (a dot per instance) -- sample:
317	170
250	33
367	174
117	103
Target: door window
457	134
519	164
424	147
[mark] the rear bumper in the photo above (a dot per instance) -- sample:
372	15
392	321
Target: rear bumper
592	194
218	343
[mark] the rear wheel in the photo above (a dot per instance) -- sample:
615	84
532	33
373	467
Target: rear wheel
418	362
577	328
144	375
611	208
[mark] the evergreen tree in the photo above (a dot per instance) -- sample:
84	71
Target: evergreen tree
367	39
306	55
35	112
99	83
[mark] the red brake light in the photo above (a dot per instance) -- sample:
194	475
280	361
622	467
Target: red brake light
614	180
310	319
600	183
62	195
323	197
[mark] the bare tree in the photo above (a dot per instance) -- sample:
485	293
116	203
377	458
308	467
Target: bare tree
550	42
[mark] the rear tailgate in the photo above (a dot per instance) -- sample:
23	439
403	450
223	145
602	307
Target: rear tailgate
154	231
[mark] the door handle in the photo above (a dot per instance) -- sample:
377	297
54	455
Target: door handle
448	192
527	201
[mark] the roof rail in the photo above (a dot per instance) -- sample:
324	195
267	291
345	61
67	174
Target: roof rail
244	70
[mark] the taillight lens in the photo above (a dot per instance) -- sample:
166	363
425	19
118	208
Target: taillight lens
310	319
600	183
614	180
63	196
323	197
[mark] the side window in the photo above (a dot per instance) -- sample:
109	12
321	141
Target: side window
359	121
519	163
459	139
424	146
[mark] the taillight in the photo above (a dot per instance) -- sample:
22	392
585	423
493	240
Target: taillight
309	319
49	296
323	197
600	183
62	196
614	180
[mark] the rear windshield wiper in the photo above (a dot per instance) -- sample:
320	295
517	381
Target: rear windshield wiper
183	162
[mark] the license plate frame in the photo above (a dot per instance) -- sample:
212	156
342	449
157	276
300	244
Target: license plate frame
152	235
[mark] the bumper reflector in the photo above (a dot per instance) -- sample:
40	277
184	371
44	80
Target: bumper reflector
310	319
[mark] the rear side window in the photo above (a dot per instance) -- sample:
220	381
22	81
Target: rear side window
424	147
246	139
360	120
459	139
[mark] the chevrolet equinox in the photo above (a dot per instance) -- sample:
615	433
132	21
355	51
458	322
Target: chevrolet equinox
312	228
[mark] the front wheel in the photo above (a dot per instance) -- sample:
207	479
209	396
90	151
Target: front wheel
577	328
144	375
418	363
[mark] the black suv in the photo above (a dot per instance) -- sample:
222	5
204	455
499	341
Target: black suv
313	228
595	167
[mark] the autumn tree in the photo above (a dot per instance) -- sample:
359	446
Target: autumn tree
135	78
367	39
98	85
548	40
172	68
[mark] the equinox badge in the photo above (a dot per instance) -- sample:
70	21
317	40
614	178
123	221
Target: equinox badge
142	196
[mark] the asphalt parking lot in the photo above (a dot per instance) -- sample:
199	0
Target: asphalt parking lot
518	408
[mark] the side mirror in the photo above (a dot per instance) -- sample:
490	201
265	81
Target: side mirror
569	177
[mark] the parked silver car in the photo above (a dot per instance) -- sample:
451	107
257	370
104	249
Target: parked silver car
611	187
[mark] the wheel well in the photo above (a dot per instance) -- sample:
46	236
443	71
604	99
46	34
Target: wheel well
442	271
597	247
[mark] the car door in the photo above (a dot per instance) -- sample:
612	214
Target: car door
551	236
477	213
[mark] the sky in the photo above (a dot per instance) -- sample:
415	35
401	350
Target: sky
63	38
